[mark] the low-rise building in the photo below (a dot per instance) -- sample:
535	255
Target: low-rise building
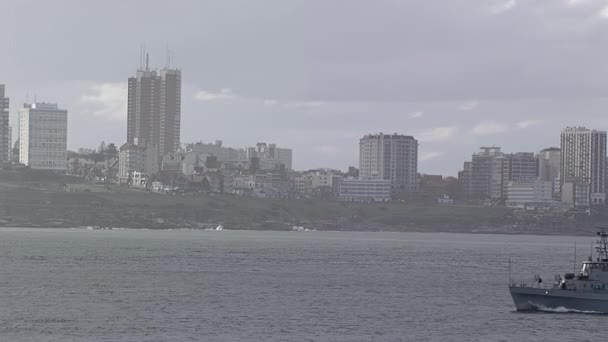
139	180
365	190
523	192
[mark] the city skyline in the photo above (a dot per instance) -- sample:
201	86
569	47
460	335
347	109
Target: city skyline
505	77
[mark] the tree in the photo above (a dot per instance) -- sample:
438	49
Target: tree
102	148
111	150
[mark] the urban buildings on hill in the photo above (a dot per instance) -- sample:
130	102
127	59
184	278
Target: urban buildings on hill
5	138
583	163
490	171
390	157
43	131
270	157
154	108
136	158
222	153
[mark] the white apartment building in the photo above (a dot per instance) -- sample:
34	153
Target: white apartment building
390	157
523	192
365	190
5	133
43	132
583	160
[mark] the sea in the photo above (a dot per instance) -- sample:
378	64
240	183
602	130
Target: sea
194	285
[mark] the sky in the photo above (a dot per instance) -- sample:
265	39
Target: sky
317	75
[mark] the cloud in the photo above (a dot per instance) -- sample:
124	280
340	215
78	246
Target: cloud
270	102
468	106
223	95
329	150
106	101
603	12
528	123
303	104
437	134
501	6
489	128
429	155
416	115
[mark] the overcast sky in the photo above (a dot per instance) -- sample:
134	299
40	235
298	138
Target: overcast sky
315	76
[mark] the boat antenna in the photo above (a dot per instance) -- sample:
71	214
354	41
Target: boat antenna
510	282
574	269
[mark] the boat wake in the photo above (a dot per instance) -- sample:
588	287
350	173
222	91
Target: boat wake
561	309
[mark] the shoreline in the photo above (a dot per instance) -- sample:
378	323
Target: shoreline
420	231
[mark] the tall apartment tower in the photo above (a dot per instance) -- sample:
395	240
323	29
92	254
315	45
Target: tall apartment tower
549	163
154	109
486	173
5	139
43	133
391	157
583	161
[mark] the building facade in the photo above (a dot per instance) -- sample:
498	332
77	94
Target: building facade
223	154
43	134
549	163
390	157
484	174
488	173
5	134
532	191
583	160
270	157
154	109
365	190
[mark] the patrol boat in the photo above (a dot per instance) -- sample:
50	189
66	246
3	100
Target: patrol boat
585	292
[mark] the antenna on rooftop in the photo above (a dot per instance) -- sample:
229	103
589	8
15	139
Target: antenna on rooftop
147	62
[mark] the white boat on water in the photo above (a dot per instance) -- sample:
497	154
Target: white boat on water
220	227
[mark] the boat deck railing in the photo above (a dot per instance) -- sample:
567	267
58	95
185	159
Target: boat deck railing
532	285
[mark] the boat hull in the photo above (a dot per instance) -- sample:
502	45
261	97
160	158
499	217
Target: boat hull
557	300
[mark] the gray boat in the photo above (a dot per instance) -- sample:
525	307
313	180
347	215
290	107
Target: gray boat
585	292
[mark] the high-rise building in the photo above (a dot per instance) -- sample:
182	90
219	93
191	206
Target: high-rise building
548	167
549	163
43	132
583	161
390	157
485	175
5	140
154	109
518	167
489	172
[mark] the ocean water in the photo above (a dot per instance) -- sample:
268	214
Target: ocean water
144	285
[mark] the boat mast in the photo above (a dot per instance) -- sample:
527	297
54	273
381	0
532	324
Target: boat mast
602	245
574	264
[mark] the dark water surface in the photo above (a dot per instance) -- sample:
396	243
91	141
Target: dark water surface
139	285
